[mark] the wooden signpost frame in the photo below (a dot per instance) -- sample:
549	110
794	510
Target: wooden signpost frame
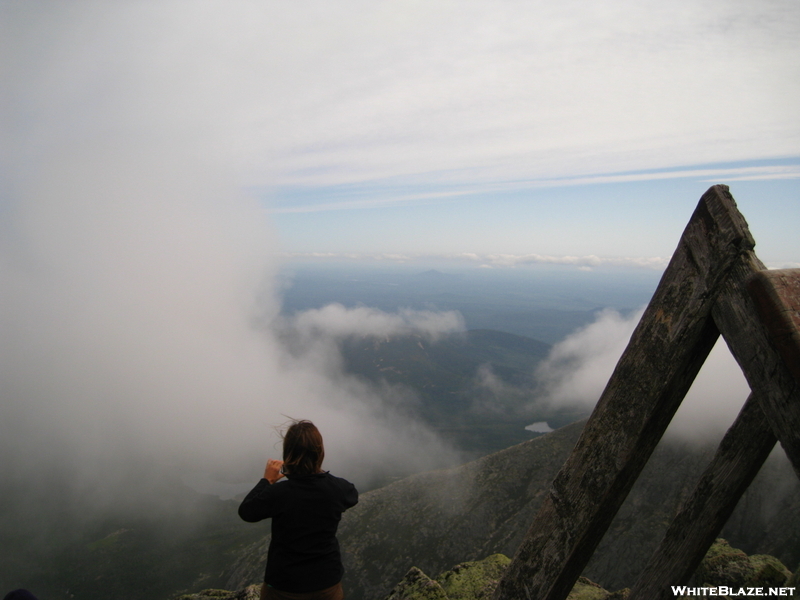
714	285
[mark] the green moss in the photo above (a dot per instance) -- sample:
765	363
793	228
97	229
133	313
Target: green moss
477	580
417	586
474	580
252	592
721	548
794	580
768	571
205	594
584	589
724	565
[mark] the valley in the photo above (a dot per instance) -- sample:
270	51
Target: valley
477	389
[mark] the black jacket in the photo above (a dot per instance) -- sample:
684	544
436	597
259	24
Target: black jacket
303	553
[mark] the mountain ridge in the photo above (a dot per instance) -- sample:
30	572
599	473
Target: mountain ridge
440	518
475	388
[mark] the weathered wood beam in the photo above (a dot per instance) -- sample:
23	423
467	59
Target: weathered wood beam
769	377
740	455
653	375
777	298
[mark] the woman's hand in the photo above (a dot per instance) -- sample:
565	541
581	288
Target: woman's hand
272	472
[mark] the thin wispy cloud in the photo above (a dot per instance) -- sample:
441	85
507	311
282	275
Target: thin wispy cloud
331	198
373	202
579	261
498	91
387	105
704	174
489	260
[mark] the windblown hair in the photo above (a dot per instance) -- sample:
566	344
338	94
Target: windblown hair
303	451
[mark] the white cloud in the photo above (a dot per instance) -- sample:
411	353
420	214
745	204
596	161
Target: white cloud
128	319
129	260
578	369
136	280
456	91
714	401
709	175
590	261
492	260
337	321
381	197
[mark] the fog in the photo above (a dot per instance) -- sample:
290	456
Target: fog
139	315
139	308
141	334
138	320
578	368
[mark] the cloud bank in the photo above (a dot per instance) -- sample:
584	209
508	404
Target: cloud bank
134	298
138	311
578	368
491	260
336	321
136	278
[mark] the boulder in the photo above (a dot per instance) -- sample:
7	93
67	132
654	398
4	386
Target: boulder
728	566
251	592
477	580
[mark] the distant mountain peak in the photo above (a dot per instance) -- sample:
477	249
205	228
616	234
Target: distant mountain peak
433	274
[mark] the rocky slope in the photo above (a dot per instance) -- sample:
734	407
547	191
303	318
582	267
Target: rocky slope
723	565
437	519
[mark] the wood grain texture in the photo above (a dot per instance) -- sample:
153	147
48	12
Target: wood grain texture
769	377
777	299
740	455
653	375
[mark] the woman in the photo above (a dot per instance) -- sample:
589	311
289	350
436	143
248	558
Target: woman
303	560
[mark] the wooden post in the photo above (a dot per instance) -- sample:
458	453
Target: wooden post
769	377
653	375
777	298
740	455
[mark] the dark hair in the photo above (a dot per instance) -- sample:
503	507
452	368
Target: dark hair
19	595
303	451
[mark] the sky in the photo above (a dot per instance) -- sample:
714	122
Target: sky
444	129
161	161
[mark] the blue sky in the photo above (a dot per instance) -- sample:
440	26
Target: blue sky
634	223
527	128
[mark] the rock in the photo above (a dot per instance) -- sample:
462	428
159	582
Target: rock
417	586
474	580
251	592
794	580
728	566
584	589
477	580
768	571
